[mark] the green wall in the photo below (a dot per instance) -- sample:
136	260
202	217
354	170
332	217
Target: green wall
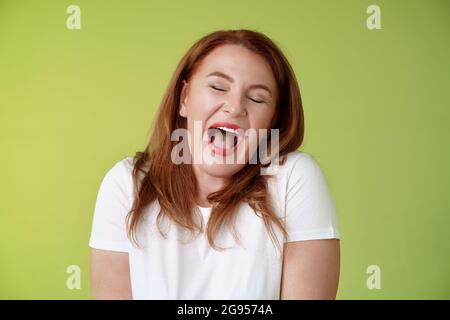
73	102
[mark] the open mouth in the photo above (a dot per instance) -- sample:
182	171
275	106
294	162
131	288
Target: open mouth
224	139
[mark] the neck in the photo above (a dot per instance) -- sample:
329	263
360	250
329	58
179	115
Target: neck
207	184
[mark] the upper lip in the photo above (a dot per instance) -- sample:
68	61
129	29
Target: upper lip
236	129
225	124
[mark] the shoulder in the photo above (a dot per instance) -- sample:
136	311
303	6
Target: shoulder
301	173
123	165
299	163
298	156
120	173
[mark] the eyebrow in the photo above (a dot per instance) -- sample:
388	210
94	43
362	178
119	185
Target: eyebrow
227	77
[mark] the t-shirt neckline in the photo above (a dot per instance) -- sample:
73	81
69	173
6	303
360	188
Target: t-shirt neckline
204	209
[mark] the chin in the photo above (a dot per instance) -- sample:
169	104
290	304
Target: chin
221	170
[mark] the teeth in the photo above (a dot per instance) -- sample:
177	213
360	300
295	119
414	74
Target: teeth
228	130
212	134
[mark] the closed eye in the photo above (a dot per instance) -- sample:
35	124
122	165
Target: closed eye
218	89
256	101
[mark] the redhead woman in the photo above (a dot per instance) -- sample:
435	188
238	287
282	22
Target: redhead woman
176	221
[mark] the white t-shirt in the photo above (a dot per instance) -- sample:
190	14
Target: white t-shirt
171	269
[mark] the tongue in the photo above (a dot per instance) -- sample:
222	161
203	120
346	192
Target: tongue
222	140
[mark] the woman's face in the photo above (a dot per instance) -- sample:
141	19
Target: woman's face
234	89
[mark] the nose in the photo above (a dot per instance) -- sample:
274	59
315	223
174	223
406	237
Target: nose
235	108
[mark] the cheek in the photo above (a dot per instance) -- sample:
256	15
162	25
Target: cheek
200	105
261	119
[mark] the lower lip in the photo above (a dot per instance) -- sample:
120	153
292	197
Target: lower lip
224	151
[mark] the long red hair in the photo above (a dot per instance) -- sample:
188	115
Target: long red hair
157	178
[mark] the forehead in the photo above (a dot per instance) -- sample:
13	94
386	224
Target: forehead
238	62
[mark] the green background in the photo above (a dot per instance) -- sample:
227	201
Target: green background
74	102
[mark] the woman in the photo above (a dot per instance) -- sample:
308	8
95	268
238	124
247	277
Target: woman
193	229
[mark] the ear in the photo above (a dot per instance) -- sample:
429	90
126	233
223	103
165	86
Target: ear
183	100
